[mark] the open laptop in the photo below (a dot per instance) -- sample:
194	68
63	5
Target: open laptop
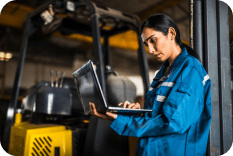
89	90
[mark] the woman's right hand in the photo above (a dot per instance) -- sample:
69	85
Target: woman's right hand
127	104
106	116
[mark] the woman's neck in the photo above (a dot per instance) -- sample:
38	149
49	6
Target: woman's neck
176	50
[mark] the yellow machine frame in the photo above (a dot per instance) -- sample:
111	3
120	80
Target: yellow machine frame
40	140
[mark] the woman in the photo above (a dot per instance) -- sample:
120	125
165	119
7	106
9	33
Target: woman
180	97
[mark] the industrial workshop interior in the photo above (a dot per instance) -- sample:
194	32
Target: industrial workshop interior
42	43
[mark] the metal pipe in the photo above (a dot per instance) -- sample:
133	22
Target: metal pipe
15	91
143	62
211	65
51	76
62	78
98	51
198	28
224	78
191	23
107	51
57	74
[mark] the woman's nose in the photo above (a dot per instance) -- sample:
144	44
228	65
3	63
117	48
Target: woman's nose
151	49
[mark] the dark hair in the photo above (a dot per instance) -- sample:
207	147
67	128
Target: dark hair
162	22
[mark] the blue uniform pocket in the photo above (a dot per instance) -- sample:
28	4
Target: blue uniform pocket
185	88
178	100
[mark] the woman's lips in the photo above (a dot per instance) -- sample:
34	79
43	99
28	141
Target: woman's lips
157	56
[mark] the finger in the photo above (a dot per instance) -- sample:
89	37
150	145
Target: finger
136	106
120	104
94	109
126	103
90	108
131	105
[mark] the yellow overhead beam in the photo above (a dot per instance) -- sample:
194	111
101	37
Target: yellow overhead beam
79	37
13	8
13	15
127	40
11	21
159	7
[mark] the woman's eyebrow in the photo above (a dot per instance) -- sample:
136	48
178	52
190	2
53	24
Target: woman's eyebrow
150	37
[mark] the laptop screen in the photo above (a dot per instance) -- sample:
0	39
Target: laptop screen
89	88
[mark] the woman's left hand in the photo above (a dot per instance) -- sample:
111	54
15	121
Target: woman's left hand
106	116
127	104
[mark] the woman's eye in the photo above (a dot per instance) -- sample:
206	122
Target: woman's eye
152	40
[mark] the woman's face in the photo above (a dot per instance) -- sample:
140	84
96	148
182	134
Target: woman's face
157	43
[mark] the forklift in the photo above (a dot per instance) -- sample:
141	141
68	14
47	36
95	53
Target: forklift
57	125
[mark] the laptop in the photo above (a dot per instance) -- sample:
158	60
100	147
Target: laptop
89	90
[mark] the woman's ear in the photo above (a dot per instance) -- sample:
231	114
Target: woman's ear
172	33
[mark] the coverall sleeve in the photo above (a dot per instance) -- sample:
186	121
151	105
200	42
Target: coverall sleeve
182	108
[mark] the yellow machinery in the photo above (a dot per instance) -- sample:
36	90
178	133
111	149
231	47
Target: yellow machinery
28	139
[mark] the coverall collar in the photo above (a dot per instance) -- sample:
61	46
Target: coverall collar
178	59
174	64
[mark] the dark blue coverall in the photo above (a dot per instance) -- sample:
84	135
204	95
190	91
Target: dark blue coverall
180	121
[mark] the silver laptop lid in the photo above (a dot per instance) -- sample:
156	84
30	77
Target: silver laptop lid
89	88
